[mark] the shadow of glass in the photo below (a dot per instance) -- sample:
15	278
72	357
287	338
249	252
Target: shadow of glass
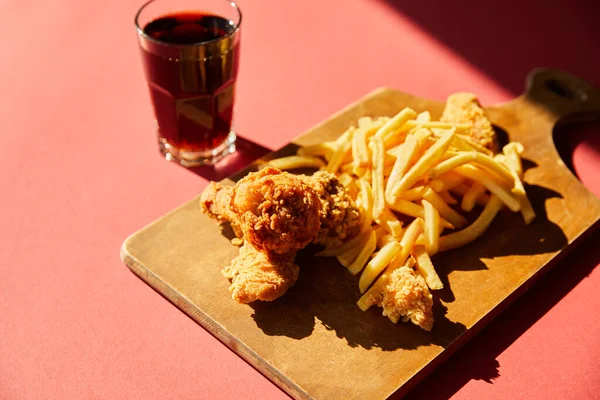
246	153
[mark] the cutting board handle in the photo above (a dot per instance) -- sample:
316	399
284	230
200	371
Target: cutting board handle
569	98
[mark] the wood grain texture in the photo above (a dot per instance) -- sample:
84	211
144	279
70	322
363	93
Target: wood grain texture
315	342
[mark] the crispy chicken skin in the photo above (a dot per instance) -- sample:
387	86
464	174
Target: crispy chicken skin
465	108
277	214
276	211
405	295
256	276
339	215
215	202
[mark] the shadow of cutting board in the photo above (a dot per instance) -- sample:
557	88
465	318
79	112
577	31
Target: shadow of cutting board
314	342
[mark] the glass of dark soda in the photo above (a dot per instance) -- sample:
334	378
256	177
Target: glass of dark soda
190	52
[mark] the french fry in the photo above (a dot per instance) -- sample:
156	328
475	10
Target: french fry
408	241
463	189
344	147
385	239
348	257
400	166
447	181
366	201
324	150
425	116
413	123
363	256
424	266
295	162
414	194
388	220
360	151
414	210
491	184
475	230
397	122
448	198
377	180
513	152
378	264
406	245
432	227
444	209
470	197
427	161
485	161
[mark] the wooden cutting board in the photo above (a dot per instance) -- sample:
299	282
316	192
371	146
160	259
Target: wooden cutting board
315	342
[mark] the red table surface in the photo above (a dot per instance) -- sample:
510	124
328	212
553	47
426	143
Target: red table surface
80	171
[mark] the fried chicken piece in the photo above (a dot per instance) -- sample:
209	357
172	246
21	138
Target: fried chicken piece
276	211
339	215
406	295
465	108
215	202
256	276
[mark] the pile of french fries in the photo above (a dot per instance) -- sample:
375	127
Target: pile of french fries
413	178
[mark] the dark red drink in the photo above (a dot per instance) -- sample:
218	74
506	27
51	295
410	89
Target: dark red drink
191	62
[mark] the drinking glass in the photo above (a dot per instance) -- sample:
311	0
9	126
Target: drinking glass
190	52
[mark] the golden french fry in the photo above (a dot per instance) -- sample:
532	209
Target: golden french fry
414	194
413	123
446	182
432	227
491	184
470	197
414	210
463	189
378	264
377	179
348	257
427	161
484	160
388	220
400	166
473	231
343	148
406	245
385	239
360	151
325	150
397	122
366	201
425	267
513	152
363	256
444	209
448	198
425	116
295	162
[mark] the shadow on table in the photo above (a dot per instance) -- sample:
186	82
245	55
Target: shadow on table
246	152
506	40
478	359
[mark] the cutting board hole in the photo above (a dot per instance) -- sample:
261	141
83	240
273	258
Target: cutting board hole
579	148
561	89
501	136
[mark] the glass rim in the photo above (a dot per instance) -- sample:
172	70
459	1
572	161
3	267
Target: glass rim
230	34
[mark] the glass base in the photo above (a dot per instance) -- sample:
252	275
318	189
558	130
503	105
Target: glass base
197	158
